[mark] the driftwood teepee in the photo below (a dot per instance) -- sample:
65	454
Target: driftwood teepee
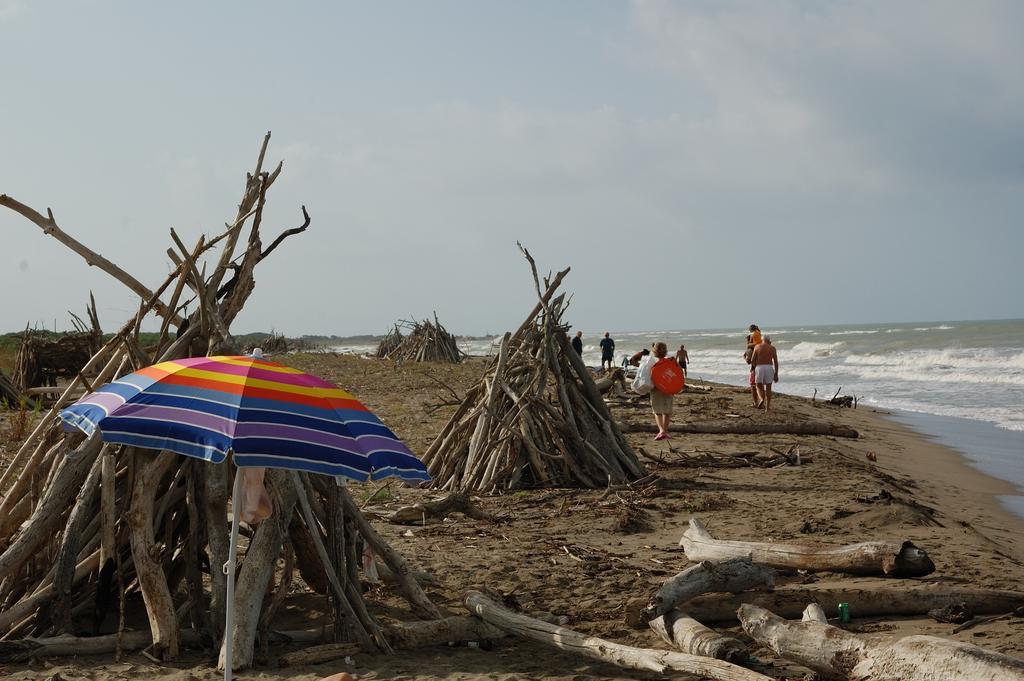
535	419
83	523
43	358
389	343
424	341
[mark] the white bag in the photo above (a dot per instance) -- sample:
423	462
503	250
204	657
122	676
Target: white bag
642	383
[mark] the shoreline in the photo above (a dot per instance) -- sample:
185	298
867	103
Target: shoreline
944	476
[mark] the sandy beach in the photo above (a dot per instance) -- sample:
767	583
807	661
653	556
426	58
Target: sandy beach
589	555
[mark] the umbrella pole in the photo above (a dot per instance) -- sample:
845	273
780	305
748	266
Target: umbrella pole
229	570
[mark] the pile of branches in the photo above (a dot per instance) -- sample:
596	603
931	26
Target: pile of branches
424	341
389	343
10	394
274	344
536	419
43	358
85	525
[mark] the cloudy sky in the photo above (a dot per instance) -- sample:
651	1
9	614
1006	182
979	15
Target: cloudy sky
698	164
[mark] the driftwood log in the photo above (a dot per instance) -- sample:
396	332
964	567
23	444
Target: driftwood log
403	636
416	514
735	575
866	558
684	632
748	428
838	654
659	661
536	418
613	383
690	636
866	599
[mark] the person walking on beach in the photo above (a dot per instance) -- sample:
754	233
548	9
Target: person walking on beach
661	403
607	351
682	357
765	361
577	343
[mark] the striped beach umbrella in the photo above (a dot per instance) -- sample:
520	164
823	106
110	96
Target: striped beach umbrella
268	414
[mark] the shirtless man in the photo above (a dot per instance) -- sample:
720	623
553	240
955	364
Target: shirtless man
765	361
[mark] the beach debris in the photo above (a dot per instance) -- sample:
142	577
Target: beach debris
871	456
954	613
881	599
746	459
318	655
866	558
665	612
10	394
748	428
734	575
118	517
417	514
424	341
536	418
613	384
628	657
690	636
44	358
836	653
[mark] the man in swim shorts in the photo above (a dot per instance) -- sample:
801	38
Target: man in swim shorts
765	361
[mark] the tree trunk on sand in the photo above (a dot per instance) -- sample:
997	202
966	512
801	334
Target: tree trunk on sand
662	662
866	600
257	569
840	655
867	558
145	553
686	633
734	575
748	428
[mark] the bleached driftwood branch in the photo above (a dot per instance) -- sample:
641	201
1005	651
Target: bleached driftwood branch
842	655
866	558
629	657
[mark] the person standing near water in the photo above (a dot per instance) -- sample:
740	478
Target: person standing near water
765	361
682	357
607	351
577	343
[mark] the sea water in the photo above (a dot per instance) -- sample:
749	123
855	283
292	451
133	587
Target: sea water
961	383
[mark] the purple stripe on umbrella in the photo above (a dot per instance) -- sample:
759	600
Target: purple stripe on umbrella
176	416
364	444
107	401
